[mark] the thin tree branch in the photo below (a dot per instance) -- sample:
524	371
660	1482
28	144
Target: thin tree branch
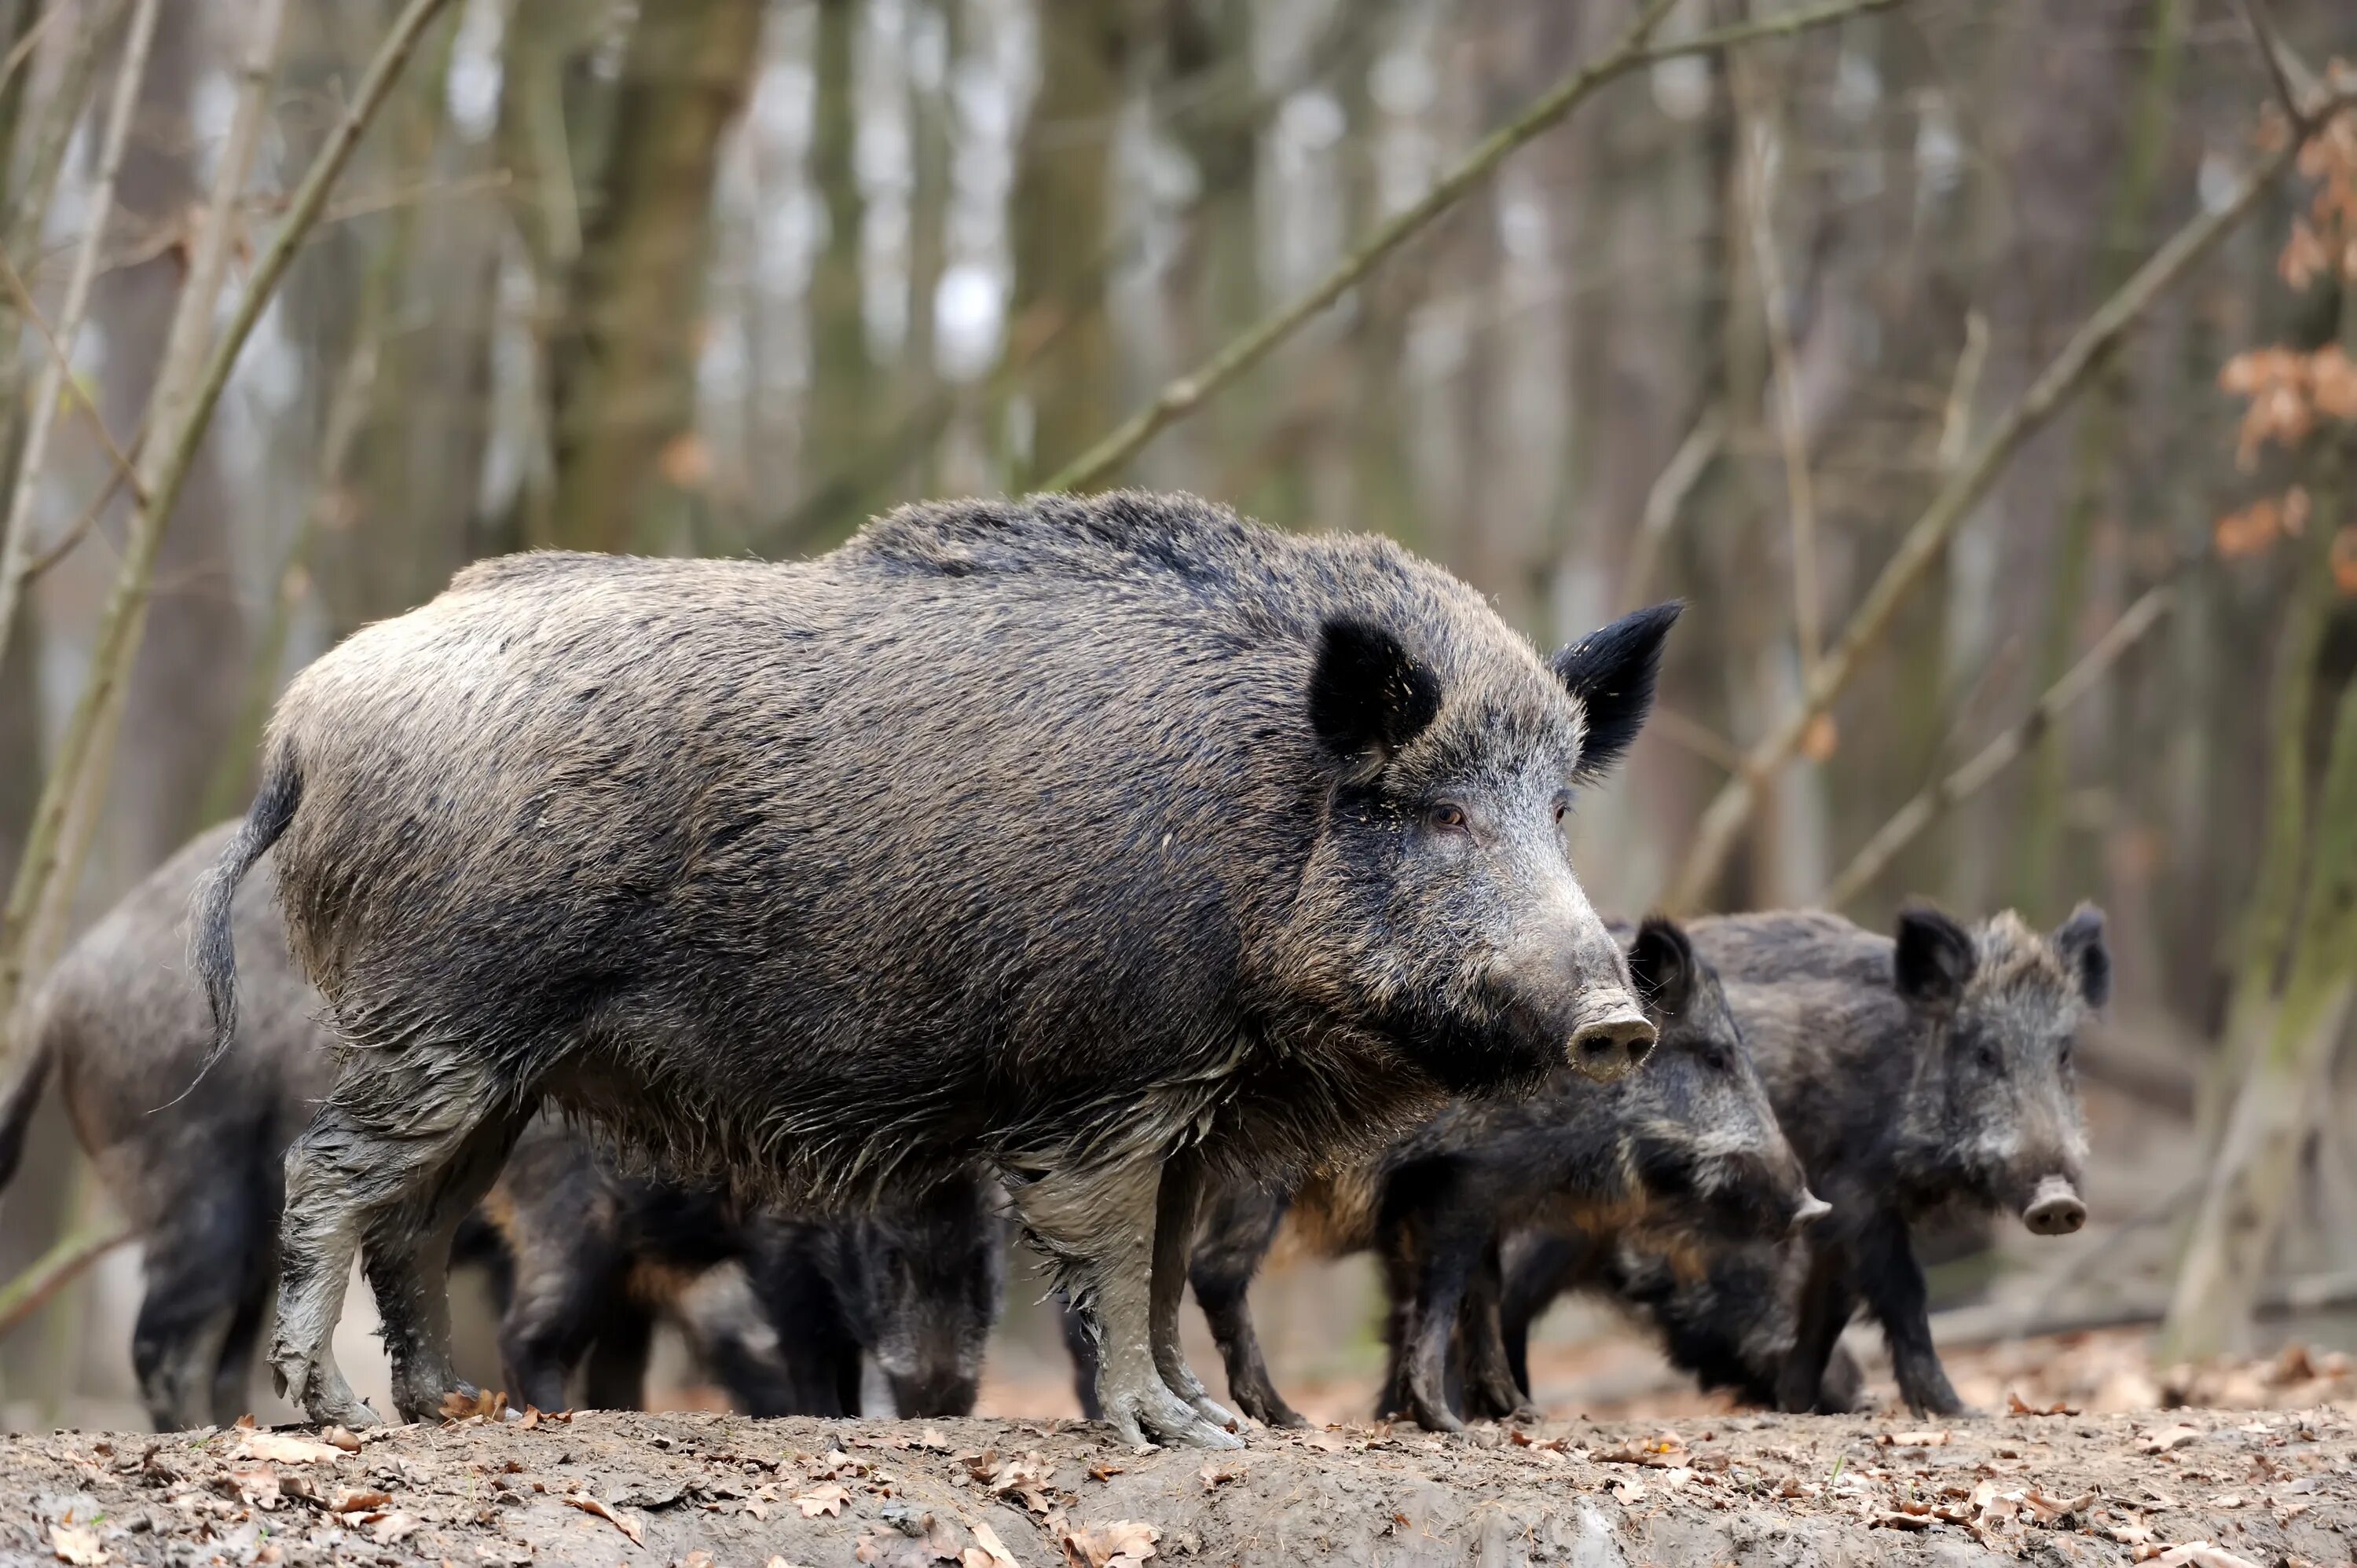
1935	800
63	545
2275	57
180	411
1667	493
1957	420
55	1269
1723	820
16	533
1188	391
57	388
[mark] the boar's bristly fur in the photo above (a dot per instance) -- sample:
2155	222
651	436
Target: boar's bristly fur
1052	834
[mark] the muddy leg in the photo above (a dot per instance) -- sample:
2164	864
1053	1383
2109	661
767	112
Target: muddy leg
1098	1224
1174	1244
406	1254
321	1231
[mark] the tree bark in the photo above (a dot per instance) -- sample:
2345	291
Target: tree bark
624	367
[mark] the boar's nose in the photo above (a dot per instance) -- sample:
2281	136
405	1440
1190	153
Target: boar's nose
1611	1039
1812	1208
933	1393
2054	1210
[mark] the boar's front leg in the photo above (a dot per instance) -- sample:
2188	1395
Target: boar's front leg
1175	1211
1892	1284
1229	1247
1098	1224
1491	1390
1823	1310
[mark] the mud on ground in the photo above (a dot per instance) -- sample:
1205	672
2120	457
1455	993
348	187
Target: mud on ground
2270	1487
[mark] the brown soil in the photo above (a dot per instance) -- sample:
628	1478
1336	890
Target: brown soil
2266	1487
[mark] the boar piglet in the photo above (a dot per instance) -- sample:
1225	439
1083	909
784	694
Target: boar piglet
1106	841
1913	1074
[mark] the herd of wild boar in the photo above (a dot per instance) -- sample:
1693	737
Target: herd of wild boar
757	946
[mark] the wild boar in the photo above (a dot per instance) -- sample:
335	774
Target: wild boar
1108	841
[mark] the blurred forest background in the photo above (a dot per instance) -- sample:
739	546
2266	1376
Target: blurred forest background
1974	368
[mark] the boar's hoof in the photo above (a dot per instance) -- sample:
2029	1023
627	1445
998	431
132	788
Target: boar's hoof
1149	1413
2054	1210
320	1392
1611	1043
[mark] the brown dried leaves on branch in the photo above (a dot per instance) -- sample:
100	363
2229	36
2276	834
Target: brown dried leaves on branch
2324	240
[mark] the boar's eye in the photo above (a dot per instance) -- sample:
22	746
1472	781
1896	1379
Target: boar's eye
1446	816
1713	1056
1562	808
1989	1057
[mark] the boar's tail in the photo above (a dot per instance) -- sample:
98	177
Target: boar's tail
212	952
16	1104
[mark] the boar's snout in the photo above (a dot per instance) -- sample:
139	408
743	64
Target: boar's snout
2054	1210
1812	1208
1611	1038
937	1392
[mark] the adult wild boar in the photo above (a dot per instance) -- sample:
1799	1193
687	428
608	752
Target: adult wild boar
1919	1073
1108	840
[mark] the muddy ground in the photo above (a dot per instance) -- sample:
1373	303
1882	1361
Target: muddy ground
2267	1487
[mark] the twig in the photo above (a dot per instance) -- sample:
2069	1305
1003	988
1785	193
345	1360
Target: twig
63	545
30	41
15	534
2275	57
1667	494
1692	734
1956	421
179	422
53	1270
56	381
1181	396
1723	819
1937	799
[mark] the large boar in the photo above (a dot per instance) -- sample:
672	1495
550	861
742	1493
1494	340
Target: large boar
1108	840
1913	1075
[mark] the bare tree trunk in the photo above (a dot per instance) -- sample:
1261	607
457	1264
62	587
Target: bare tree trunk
2242	1210
1061	218
624	369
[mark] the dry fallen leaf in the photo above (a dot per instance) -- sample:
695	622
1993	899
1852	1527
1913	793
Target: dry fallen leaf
1125	1543
256	1487
2167	1438
336	1437
1217	1473
1899	1519
824	1499
2047	1509
277	1448
72	1544
2015	1404
358	1499
2192	1555
1913	1439
614	1517
487	1403
393	1529
993	1550
932	1440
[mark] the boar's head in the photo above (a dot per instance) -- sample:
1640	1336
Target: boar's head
1704	1140
1439	906
1995	1099
934	1272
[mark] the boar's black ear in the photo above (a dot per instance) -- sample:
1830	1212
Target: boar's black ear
1611	672
1934	959
2079	943
1368	694
1662	962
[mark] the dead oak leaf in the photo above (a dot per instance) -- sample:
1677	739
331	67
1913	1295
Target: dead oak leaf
826	1499
2192	1555
358	1499
391	1529
1913	1439
487	1403
2016	1404
613	1516
988	1550
1218	1473
2167	1438
338	1438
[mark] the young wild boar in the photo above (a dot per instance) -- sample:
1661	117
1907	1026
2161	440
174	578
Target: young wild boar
1688	1150
589	1255
1725	1310
1106	840
1912	1074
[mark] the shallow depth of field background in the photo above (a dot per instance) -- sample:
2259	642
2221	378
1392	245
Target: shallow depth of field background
858	252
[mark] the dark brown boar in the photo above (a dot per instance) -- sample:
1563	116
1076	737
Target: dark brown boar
1107	840
1915	1075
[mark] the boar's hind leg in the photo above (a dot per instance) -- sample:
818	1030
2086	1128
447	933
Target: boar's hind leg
1892	1284
197	1278
1081	1343
1174	1243
397	1156
1492	1390
1826	1305
1097	1223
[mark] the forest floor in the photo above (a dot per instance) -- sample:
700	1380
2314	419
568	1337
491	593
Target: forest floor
2256	1463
